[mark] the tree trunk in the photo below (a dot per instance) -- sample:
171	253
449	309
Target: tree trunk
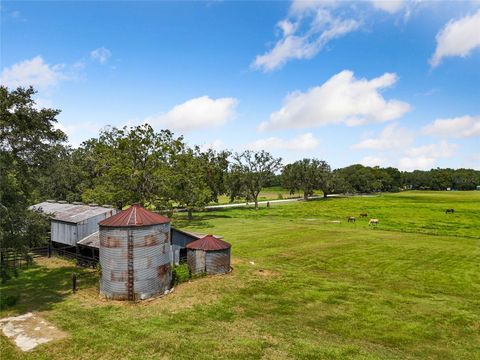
325	195
256	203
305	195
190	214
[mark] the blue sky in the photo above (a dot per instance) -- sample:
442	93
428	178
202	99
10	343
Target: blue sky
379	83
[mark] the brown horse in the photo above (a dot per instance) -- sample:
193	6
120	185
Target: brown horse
351	219
451	211
363	215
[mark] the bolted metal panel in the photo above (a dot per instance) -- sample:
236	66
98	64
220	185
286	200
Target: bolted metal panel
64	233
211	262
135	261
196	261
217	261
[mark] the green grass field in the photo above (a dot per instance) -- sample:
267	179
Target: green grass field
306	285
269	193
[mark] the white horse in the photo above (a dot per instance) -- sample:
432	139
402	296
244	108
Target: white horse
373	222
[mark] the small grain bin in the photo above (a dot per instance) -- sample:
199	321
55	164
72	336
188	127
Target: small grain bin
208	255
135	254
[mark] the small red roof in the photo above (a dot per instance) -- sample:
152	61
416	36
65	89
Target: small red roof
208	242
135	215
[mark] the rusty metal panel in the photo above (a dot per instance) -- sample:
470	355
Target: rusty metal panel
140	271
196	261
217	262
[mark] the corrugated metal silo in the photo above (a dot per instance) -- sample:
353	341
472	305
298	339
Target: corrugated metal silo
209	255
135	254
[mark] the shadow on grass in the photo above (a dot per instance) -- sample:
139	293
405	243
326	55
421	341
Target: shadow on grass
39	287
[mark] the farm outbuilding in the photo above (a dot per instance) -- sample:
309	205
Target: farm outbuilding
208	255
180	240
70	223
135	254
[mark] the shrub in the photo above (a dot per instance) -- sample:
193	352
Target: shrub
4	274
180	274
8	301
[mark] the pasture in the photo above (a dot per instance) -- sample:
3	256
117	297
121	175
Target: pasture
268	193
307	284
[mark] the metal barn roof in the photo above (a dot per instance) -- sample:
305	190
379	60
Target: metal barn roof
72	213
195	234
135	215
209	242
92	240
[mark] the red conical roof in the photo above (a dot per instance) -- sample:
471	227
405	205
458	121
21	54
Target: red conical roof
209	242
135	215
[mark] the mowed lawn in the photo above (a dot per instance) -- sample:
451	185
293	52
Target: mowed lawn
306	285
268	193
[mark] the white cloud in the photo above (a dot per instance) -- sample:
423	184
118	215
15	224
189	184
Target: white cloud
198	113
302	142
309	27
390	6
372	161
216	145
101	55
459	127
457	38
43	102
425	157
392	136
419	163
79	131
341	99
34	72
442	149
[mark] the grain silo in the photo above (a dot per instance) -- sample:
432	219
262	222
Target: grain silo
135	254
208	255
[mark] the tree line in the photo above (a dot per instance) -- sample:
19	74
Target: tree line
159	170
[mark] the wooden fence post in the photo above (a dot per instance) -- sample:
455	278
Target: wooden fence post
74	283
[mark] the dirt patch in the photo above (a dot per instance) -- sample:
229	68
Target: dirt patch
266	273
29	330
54	262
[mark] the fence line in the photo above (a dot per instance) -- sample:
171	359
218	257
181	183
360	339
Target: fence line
12	258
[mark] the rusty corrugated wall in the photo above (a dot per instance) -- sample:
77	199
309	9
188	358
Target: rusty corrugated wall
135	261
217	261
210	261
196	261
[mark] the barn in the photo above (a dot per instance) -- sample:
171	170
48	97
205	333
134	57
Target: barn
75	231
71	223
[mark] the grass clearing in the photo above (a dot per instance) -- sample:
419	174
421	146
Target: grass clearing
269	193
316	289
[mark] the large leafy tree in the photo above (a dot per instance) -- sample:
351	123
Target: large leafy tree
189	183
28	138
255	169
132	165
306	175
